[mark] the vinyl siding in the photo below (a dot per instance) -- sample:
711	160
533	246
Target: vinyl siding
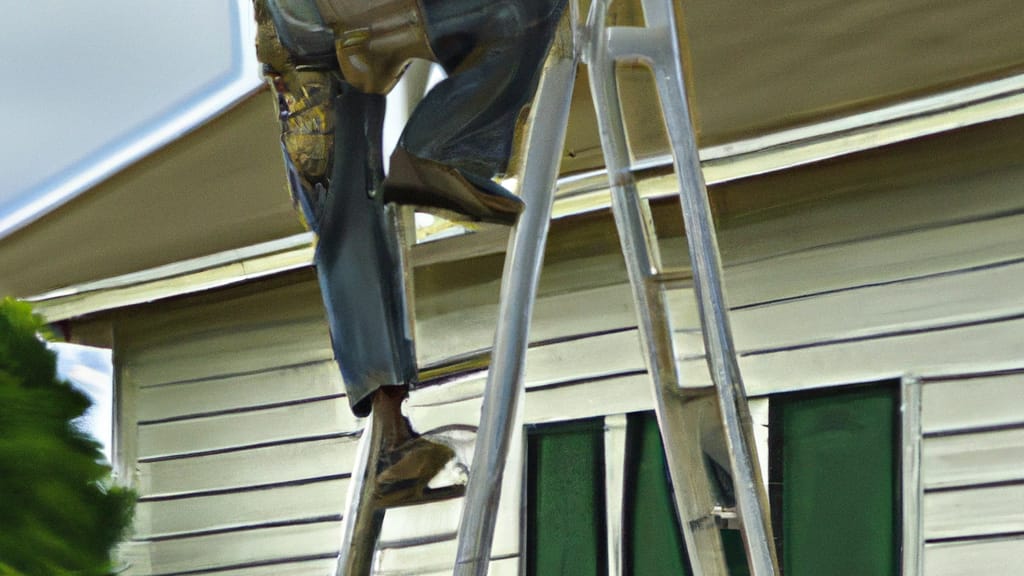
972	474
236	432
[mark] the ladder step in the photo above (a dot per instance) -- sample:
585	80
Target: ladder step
673	277
726	518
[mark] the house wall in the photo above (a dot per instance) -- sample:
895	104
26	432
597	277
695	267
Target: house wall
235	430
231	431
972	480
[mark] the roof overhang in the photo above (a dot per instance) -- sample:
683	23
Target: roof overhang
773	86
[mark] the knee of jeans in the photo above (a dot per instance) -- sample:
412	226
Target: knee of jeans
508	21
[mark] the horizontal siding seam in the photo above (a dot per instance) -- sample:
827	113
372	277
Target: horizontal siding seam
884	335
936	379
255	446
975	430
330	518
482	355
967	487
274	562
885	235
242	374
535	387
881	283
243	489
419	541
240	410
974	539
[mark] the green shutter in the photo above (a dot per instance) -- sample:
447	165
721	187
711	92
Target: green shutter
655	543
565	500
565	504
835	480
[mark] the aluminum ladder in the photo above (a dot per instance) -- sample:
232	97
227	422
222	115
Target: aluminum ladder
702	420
699	420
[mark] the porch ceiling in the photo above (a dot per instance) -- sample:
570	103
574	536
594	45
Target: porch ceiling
217	188
760	67
756	68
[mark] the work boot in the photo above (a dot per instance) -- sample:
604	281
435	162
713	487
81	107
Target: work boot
403	473
455	194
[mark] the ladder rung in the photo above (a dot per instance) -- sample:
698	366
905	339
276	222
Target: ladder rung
726	518
672	276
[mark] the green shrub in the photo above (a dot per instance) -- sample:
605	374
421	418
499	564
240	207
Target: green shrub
59	512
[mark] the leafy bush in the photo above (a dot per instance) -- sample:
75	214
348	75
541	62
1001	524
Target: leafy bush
59	512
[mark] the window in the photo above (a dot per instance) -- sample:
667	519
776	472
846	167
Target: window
565	531
565	525
834	481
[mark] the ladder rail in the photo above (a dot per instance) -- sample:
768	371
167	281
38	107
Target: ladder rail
656	46
362	523
538	175
682	417
751	498
691	496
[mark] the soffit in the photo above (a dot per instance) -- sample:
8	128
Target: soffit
217	188
760	67
753	69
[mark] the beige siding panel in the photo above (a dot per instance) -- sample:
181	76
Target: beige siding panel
239	509
437	559
414	560
584	358
247	546
434	559
869	260
871	195
557	316
977	458
447	328
264	325
133	558
910	305
248	428
412	523
974	512
969	347
624	394
233	392
237	350
994	557
321	567
448	393
592	357
977	402
503	567
256	467
549	404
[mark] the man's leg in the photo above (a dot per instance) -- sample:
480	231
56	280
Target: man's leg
460	135
331	134
362	286
356	261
